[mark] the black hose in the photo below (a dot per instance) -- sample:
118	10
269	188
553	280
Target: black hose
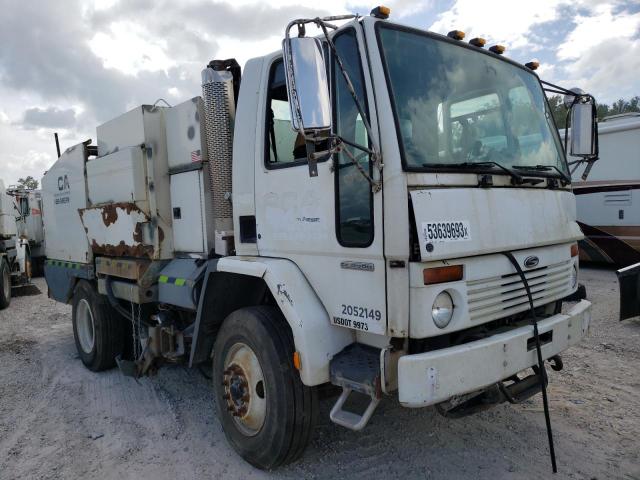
114	301
543	372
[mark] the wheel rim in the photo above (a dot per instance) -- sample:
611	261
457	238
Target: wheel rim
245	391
85	326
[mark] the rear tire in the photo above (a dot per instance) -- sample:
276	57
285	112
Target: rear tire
5	284
275	412
98	330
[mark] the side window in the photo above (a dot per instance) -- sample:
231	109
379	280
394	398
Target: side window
284	146
354	199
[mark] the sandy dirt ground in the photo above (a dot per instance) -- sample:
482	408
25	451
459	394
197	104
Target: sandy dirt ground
59	420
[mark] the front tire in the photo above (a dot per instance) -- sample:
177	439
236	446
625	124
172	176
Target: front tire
5	284
97	329
267	413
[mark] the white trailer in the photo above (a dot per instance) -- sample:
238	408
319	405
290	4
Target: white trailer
411	232
15	265
608	202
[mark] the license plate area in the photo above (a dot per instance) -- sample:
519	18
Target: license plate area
546	337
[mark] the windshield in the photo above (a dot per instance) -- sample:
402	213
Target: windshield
455	105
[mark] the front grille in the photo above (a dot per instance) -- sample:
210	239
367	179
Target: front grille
497	297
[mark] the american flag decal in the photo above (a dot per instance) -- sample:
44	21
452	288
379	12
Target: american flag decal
196	156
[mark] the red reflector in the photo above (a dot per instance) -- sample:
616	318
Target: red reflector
451	273
574	250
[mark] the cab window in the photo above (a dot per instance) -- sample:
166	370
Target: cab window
285	147
354	199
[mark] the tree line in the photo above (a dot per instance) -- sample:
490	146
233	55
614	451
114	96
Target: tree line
559	111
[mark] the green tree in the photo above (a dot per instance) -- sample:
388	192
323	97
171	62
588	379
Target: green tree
29	183
559	111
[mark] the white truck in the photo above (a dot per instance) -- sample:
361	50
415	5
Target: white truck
15	262
29	224
380	208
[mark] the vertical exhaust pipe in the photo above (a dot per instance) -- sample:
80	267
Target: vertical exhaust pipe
220	82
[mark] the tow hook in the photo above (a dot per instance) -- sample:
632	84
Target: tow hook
556	363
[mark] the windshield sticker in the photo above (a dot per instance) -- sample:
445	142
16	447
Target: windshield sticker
438	232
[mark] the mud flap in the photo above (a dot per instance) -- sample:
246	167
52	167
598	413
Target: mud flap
629	281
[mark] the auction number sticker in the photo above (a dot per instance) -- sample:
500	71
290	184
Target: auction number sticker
436	232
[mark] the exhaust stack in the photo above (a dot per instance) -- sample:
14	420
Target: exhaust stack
220	83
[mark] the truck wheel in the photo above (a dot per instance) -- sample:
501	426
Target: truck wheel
267	413
5	284
97	329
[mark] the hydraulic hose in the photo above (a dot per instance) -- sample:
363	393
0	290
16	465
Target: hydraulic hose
114	301
543	372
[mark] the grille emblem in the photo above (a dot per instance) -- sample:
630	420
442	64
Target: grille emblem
531	261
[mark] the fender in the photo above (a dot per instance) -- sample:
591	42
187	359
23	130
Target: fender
315	339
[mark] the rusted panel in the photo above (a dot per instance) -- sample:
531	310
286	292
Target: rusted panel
117	230
133	269
122	250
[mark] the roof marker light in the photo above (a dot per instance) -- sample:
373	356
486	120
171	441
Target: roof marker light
456	34
532	65
381	12
478	42
497	49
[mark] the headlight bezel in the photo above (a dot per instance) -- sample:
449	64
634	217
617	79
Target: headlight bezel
575	273
442	309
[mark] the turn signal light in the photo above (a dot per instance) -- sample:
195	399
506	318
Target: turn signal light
498	49
574	250
451	273
456	34
478	42
381	12
296	361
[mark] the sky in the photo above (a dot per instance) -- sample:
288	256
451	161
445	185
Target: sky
68	65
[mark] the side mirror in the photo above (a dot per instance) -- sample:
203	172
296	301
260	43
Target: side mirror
308	93
584	130
307	85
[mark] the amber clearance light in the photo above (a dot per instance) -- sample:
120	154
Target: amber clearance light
451	273
574	250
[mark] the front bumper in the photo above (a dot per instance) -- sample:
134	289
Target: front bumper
433	377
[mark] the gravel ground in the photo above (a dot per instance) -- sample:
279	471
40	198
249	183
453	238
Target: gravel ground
59	420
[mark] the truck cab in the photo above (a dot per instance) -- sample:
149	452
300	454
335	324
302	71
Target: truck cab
420	261
387	210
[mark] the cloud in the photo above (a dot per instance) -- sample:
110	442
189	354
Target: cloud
52	117
591	44
509	23
608	80
591	31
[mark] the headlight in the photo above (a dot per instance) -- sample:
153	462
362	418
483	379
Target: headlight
574	277
442	310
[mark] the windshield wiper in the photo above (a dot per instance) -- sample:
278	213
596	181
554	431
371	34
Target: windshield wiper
542	168
517	179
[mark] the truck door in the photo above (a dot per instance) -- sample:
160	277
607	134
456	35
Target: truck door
329	225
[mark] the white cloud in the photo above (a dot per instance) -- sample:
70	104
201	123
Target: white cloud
607	80
591	31
498	21
130	48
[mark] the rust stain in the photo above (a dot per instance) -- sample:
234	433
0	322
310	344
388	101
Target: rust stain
109	215
137	233
122	250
